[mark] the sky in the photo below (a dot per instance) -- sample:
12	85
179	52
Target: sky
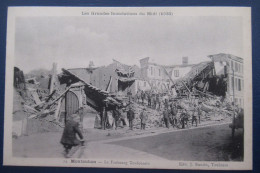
72	42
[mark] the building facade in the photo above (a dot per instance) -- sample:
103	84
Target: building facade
232	67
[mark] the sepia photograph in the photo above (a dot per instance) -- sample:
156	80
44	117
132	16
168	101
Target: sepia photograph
146	87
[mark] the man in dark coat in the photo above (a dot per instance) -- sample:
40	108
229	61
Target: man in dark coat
199	110
184	118
116	115
69	138
149	99
142	97
144	118
166	117
130	117
158	101
195	115
174	112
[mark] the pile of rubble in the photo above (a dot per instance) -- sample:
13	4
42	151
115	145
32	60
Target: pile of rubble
154	117
213	109
40	103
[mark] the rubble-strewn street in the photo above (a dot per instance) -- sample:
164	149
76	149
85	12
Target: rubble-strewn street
194	144
117	102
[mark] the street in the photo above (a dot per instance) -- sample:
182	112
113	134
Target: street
209	143
202	144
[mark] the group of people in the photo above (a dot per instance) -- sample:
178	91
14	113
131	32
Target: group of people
177	115
130	115
173	114
155	100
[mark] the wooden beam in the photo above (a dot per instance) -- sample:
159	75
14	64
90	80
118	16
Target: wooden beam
57	111
90	101
186	86
204	93
109	84
168	75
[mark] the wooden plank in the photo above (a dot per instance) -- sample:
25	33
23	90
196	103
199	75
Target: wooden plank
53	76
185	86
204	93
57	111
36	97
109	84
59	96
168	75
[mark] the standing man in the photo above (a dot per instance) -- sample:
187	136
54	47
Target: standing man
166	101
199	110
194	115
149	99
116	116
144	117
69	139
142	97
138	95
166	117
158	101
130	117
184	118
154	101
174	112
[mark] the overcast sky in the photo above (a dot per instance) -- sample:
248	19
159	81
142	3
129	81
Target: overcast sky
74	41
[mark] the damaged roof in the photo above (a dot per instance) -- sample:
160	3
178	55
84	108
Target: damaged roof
97	96
224	57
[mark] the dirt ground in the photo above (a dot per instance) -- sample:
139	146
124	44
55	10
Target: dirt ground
203	144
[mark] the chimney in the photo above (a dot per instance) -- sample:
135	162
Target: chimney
91	64
185	60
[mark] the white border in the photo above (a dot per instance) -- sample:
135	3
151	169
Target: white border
13	12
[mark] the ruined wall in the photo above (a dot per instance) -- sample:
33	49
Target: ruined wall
101	76
179	72
83	73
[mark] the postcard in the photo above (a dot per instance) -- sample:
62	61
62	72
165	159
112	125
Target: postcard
129	87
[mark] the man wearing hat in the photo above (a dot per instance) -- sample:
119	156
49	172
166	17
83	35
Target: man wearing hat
174	112
116	115
130	117
69	138
166	117
144	117
199	110
194	115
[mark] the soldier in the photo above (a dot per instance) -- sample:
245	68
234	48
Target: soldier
194	115
69	139
130	117
153	99
199	110
144	117
166	101
166	117
184	118
149	99
116	116
158	101
174	112
138	96
142	97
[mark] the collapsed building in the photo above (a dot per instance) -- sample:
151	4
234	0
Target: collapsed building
229	68
52	98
